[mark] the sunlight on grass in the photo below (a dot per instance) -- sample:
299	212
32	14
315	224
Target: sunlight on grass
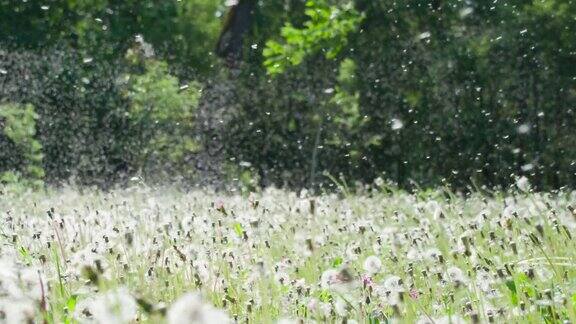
169	256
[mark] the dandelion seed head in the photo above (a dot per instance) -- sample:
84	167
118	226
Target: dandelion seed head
372	264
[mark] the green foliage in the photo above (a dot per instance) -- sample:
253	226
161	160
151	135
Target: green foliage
161	115
428	93
326	31
182	31
439	95
346	114
19	126
238	229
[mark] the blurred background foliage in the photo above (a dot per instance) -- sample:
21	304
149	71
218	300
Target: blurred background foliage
444	92
19	130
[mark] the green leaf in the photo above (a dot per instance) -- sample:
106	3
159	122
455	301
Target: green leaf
238	229
513	292
326	31
337	262
71	303
325	296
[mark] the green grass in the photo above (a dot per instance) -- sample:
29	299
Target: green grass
70	256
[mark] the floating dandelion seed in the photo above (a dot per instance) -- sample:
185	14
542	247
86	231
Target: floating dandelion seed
396	124
424	35
466	11
527	167
523	129
523	184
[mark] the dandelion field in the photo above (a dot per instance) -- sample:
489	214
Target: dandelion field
155	256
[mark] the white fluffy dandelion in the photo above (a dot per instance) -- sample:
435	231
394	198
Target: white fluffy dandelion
191	309
456	275
114	306
523	184
372	264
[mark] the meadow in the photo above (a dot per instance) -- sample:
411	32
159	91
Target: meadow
377	256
